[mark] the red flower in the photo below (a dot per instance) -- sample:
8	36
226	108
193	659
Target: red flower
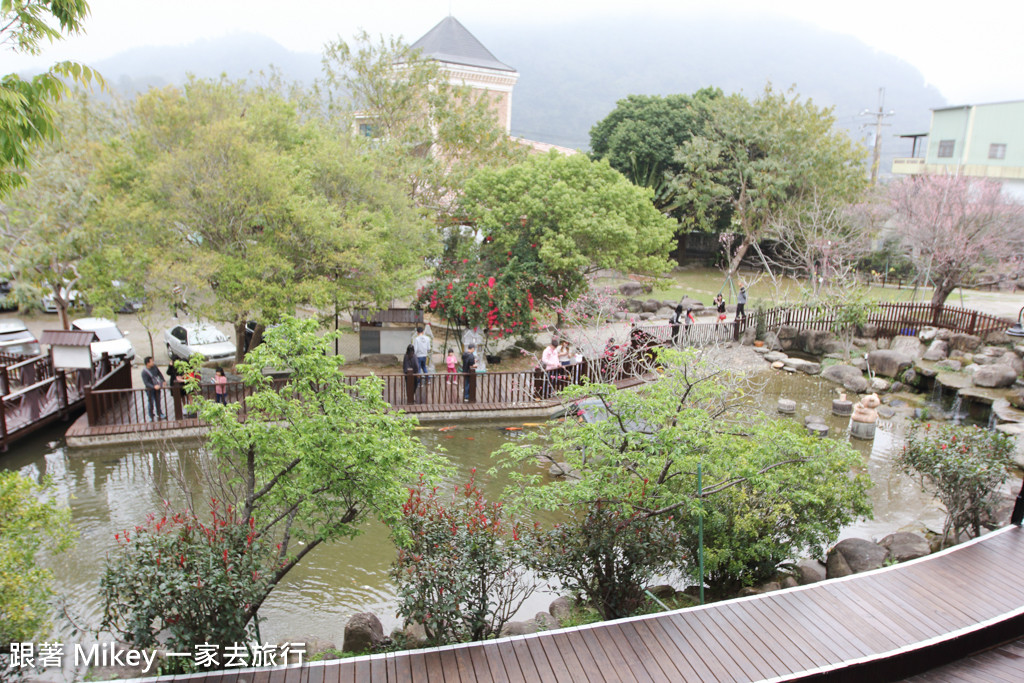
490	281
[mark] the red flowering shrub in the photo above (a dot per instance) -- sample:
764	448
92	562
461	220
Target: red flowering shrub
963	466
187	580
461	571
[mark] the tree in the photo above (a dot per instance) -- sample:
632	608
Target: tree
578	216
754	157
639	138
963	467
256	210
30	523
27	115
954	226
427	133
313	458
51	234
769	491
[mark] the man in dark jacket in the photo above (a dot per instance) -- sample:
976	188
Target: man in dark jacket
468	368
154	382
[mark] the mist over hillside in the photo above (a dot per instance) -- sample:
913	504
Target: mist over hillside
572	76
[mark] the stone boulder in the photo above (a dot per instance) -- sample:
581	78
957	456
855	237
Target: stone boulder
949	364
650	306
804	366
869	330
546	622
771	341
787	406
809	571
632	288
645	315
748	336
664	312
848	376
888	362
363	633
879	385
813	341
906	545
1013	361
518	628
908	346
787	334
927	334
994	376
853	556
964	342
775	356
939	350
632	305
560	609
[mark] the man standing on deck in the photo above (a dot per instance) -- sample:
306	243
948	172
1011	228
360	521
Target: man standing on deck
468	369
421	346
154	382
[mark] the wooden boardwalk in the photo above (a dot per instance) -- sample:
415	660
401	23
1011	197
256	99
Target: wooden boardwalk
1003	664
884	625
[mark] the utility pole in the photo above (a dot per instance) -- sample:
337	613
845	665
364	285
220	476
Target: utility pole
880	115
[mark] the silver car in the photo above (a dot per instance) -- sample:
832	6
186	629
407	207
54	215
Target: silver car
184	341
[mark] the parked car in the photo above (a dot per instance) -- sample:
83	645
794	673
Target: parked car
111	341
17	340
184	341
49	303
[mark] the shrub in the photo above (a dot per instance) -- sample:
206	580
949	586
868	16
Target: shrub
608	555
461	567
963	466
186	581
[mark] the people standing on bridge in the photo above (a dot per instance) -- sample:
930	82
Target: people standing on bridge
468	369
154	382
421	344
411	368
741	303
720	307
220	387
675	322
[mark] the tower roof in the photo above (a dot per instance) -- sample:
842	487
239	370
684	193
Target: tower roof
450	42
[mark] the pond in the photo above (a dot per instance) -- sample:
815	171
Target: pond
112	488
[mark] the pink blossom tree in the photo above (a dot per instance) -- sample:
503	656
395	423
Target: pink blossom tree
954	225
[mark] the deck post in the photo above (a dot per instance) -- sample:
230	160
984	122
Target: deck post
176	397
6	380
3	425
472	387
410	387
62	394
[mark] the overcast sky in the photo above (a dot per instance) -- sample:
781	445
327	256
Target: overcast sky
971	51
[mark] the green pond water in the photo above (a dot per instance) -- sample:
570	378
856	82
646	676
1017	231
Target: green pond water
112	488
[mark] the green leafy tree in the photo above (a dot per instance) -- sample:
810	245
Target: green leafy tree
769	492
255	210
30	523
461	567
963	467
51	234
756	156
578	215
27	114
639	138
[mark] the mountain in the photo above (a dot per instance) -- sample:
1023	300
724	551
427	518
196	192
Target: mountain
570	79
572	76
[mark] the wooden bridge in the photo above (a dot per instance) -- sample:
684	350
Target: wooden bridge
34	395
885	625
114	407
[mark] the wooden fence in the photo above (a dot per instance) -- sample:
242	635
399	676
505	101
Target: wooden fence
112	406
891	319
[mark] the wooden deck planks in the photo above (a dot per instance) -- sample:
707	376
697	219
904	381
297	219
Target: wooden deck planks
773	635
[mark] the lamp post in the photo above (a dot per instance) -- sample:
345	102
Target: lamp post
1018	507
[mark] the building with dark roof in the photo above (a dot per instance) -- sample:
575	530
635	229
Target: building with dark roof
468	62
